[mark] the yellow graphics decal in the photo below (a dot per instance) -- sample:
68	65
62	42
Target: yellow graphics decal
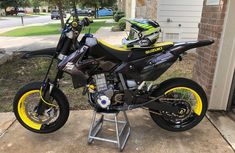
114	47
161	44
154	50
22	111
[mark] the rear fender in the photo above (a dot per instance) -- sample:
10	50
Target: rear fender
182	47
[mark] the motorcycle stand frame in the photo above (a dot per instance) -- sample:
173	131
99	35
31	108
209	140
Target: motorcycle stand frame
121	135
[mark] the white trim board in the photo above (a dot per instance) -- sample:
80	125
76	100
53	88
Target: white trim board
225	63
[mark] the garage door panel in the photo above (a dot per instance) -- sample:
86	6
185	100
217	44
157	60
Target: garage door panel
189	36
180	19
176	24
181	2
165	13
180	8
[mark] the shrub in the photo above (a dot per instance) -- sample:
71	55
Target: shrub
118	15
122	24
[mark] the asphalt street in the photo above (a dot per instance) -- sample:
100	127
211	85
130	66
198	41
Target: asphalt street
10	22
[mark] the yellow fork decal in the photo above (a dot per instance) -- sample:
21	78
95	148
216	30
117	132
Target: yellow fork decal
22	113
198	107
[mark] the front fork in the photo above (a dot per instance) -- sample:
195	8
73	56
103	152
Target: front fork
45	92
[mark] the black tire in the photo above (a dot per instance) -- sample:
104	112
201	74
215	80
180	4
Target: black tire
174	83
56	94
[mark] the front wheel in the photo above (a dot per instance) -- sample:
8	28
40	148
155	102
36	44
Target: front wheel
186	95
53	115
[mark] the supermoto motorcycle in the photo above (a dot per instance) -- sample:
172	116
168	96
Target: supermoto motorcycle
114	79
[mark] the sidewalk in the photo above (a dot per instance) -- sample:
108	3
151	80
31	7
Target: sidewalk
146	137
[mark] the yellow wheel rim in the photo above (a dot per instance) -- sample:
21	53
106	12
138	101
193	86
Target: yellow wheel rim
22	113
198	106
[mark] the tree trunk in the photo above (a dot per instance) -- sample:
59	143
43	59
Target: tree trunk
5	9
59	4
96	12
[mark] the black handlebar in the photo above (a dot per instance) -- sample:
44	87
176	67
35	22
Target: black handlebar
78	23
86	21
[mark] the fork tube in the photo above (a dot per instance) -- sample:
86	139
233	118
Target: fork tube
59	75
49	68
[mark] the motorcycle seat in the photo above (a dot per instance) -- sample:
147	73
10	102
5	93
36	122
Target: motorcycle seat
119	52
123	53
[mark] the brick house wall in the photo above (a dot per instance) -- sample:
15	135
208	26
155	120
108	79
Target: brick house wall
211	27
146	9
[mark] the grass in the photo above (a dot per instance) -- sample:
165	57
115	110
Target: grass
19	72
49	29
105	17
38	14
96	19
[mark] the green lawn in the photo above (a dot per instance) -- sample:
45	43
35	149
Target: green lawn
38	14
105	17
50	29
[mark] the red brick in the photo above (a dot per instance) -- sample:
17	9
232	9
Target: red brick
211	27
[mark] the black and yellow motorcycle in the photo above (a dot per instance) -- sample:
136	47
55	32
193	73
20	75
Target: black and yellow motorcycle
115	79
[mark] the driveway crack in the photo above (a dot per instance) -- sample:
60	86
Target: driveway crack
4	132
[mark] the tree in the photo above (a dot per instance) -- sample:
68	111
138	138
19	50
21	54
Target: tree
90	3
107	3
35	3
14	3
60	4
4	4
22	3
97	3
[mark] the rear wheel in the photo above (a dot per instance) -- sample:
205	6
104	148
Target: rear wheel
53	116
186	95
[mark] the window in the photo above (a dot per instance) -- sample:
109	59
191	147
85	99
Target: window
172	36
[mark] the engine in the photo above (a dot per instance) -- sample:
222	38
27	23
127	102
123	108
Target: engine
108	91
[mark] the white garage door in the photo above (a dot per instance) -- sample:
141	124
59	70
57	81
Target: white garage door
179	19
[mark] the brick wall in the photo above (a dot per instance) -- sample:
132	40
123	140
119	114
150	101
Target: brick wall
211	27
146	9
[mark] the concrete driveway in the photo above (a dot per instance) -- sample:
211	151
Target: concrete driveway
145	137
